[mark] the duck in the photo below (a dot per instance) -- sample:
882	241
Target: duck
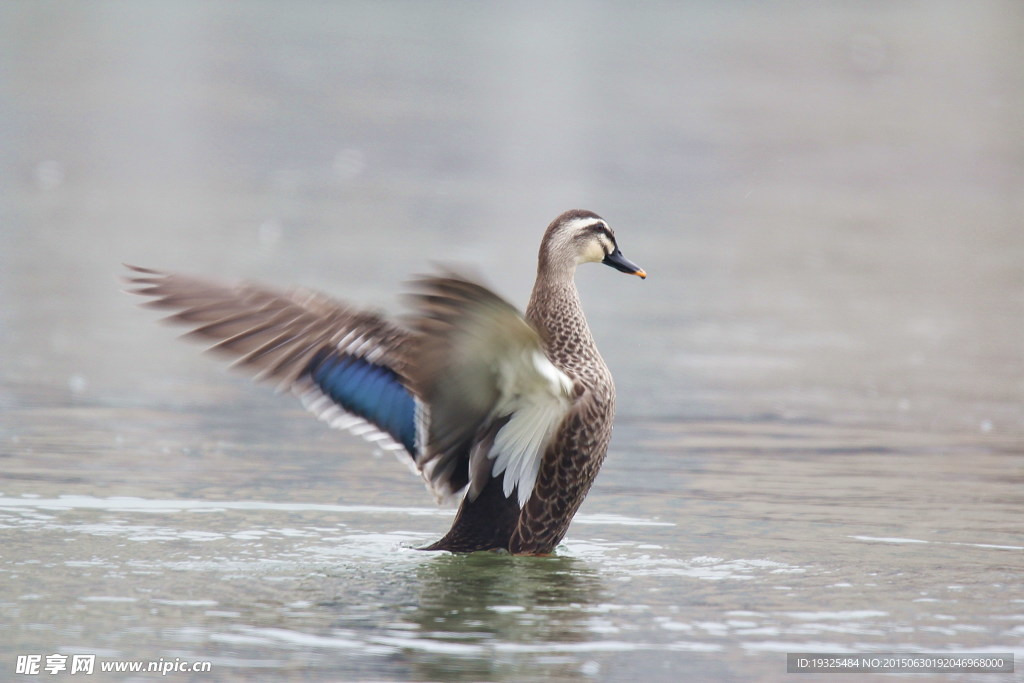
506	414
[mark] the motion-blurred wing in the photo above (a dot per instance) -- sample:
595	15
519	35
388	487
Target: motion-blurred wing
349	367
495	399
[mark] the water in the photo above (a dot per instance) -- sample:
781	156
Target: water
821	383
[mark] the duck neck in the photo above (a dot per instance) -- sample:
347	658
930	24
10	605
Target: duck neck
556	311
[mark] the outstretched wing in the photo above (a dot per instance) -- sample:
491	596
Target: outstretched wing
495	399
350	367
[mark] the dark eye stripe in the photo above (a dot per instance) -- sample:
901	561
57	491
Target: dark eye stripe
588	232
601	229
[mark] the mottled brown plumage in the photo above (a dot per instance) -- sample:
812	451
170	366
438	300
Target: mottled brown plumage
513	415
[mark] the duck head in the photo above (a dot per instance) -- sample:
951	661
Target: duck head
581	236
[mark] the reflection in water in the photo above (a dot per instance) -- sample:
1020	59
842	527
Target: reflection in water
490	583
513	599
465	616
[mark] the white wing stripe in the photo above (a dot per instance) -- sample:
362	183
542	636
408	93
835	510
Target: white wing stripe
536	396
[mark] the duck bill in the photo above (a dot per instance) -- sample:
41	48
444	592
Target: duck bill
619	262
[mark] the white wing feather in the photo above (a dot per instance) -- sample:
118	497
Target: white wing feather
493	393
536	396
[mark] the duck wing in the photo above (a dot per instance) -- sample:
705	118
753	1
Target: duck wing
495	399
349	367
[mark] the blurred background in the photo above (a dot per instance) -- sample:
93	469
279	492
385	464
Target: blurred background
825	364
828	196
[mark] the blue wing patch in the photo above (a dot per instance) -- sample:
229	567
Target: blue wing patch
373	392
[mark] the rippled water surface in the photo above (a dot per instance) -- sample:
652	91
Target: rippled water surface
820	440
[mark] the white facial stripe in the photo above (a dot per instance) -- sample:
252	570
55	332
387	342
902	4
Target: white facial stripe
585	222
